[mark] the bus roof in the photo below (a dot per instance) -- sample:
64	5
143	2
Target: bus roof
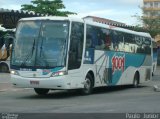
52	18
89	22
118	29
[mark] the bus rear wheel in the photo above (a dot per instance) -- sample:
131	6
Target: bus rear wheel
136	80
88	86
41	91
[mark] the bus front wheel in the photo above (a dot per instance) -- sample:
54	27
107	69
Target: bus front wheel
4	68
88	86
41	91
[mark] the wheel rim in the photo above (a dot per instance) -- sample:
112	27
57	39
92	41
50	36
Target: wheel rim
135	81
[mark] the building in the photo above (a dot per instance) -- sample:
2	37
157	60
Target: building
151	9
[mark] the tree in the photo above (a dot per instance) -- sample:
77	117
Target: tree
150	22
48	7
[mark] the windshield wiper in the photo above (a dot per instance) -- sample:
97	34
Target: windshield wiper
41	48
64	51
29	54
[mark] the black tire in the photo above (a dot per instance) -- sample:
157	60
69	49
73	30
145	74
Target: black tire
152	74
153	70
136	80
41	91
4	68
88	86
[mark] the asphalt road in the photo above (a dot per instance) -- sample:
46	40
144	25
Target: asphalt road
121	99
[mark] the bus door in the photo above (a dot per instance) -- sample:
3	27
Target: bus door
76	46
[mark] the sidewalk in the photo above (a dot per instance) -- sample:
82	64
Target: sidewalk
156	80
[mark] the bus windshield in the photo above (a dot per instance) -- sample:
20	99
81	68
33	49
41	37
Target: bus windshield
40	44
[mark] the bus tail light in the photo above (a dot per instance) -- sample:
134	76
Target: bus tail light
59	73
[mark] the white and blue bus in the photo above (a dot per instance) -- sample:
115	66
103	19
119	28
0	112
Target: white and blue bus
66	53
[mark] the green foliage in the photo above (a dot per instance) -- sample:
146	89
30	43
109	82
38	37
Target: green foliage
152	25
151	22
48	7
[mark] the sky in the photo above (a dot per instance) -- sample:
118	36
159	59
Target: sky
119	10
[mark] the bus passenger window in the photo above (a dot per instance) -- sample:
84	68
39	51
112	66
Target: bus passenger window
88	41
108	41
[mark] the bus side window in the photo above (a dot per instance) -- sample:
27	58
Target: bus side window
120	41
106	39
91	39
139	42
115	42
147	45
88	41
108	42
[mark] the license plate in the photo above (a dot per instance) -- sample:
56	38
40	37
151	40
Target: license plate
34	82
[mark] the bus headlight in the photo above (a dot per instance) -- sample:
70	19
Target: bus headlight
14	72
60	73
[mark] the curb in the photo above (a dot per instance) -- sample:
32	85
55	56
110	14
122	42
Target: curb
156	88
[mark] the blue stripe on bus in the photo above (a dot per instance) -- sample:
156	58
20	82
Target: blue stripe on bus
129	59
47	71
135	60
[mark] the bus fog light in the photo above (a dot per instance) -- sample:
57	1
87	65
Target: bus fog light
60	73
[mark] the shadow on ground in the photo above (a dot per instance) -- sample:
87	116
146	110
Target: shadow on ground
65	94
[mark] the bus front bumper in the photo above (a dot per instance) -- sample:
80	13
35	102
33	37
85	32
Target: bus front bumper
60	82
